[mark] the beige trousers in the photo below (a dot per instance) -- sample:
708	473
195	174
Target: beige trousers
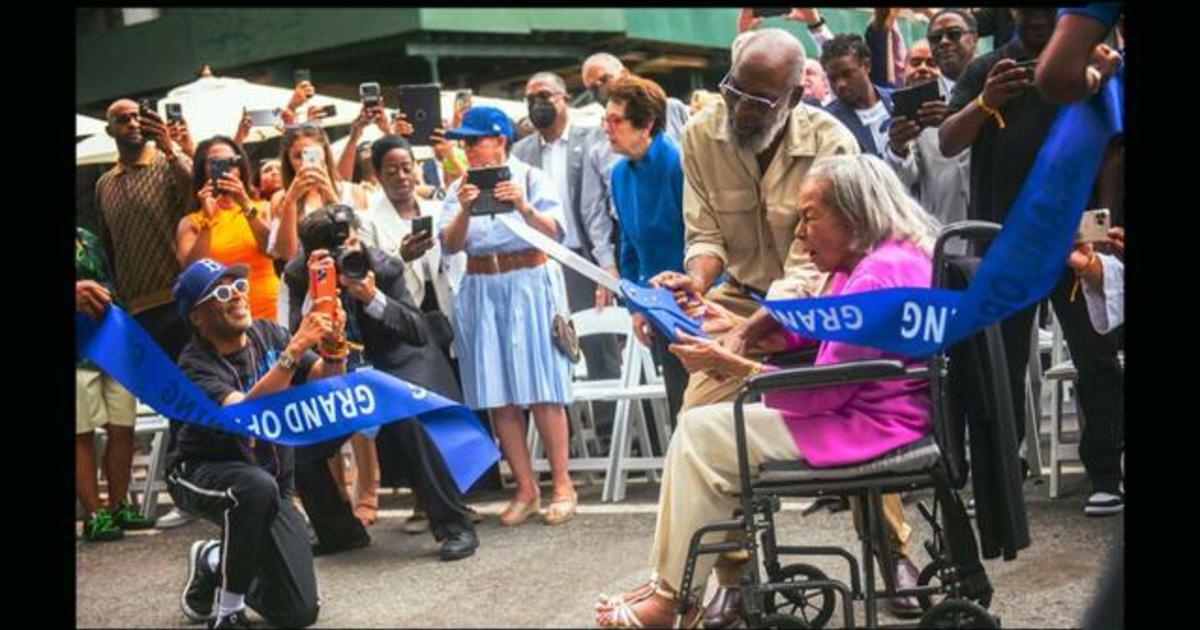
700	479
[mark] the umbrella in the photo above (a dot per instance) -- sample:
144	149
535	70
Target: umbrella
87	126
213	105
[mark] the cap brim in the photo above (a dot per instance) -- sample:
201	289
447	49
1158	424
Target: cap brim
463	133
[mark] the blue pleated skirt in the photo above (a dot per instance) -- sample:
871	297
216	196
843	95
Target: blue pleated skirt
504	339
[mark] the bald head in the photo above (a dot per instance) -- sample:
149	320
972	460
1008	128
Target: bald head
120	106
598	70
604	62
770	50
920	65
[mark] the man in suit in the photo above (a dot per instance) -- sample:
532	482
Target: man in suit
382	318
864	108
559	148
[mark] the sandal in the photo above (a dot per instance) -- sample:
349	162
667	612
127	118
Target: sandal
518	512
622	615
556	514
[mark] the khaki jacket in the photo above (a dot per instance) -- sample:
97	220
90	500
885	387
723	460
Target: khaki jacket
745	217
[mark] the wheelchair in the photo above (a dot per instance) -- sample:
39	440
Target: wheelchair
953	588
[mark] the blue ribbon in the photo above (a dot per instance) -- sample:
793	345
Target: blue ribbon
312	413
1021	267
658	306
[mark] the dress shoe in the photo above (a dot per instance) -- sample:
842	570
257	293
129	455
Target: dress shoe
459	545
906	578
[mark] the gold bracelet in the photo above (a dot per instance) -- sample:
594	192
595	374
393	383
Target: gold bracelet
994	113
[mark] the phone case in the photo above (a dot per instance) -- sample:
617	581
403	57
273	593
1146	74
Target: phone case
322	282
422	106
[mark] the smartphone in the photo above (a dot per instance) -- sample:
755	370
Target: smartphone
1030	66
174	112
264	117
370	94
422	105
422	225
907	101
217	167
147	105
312	156
1094	226
301	75
771	11
322	282
329	110
486	179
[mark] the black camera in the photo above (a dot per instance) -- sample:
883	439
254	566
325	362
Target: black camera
353	263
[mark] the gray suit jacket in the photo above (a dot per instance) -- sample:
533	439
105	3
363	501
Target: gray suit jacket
578	229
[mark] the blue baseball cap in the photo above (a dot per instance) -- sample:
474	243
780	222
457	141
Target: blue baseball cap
482	122
199	279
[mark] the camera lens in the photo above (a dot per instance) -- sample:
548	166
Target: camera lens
354	264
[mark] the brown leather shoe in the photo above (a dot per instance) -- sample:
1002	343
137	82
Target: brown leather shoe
725	609
906	577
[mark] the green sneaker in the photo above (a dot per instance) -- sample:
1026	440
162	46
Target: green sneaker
128	518
101	527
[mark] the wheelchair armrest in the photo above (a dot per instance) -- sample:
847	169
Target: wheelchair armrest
837	374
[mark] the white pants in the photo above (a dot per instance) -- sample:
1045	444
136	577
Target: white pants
700	478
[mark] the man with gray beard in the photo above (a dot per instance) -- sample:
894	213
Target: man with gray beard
743	162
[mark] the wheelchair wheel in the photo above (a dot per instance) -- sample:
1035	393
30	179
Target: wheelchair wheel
783	621
812	607
958	613
931	575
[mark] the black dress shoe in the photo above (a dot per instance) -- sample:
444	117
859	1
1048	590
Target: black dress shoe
320	548
459	545
233	620
725	609
906	578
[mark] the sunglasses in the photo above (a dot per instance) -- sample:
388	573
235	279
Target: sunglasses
955	34
224	293
729	92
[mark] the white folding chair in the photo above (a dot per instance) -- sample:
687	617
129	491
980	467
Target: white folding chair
624	391
143	492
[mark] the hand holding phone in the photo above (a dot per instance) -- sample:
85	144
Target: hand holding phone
264	117
1094	226
370	94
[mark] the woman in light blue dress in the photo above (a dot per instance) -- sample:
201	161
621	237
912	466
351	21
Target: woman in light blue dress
504	312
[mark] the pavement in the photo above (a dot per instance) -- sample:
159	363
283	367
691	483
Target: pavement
540	576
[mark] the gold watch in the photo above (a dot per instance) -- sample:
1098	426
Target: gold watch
287	361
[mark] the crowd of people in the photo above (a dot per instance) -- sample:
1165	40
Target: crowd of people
794	178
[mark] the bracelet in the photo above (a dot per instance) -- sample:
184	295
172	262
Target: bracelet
994	113
818	24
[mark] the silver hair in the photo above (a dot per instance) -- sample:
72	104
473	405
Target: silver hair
550	78
873	202
606	59
767	39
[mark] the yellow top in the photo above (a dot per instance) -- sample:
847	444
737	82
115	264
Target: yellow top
231	242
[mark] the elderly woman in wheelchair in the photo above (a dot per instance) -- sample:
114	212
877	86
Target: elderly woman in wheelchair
861	227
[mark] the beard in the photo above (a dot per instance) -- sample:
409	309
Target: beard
760	140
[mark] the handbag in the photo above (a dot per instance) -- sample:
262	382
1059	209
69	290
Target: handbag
565	338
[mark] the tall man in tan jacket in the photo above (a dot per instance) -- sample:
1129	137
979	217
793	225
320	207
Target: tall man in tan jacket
743	162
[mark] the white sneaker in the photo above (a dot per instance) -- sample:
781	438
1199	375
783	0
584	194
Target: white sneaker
174	518
1104	504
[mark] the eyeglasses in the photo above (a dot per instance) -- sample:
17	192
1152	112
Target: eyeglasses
224	293
732	93
954	34
544	95
917	62
613	121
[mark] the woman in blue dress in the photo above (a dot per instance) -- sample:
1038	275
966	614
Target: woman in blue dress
505	310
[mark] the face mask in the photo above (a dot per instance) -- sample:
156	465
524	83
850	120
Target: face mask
542	114
598	94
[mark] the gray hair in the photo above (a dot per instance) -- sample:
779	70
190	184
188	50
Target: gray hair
550	78
608	60
770	39
874	203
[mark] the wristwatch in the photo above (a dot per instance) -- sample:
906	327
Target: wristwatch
818	24
287	361
250	212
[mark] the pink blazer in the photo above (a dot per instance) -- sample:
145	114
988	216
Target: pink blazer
847	424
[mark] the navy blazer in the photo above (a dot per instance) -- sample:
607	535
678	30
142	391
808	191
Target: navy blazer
847	116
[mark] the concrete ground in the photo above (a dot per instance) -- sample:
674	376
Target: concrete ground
539	576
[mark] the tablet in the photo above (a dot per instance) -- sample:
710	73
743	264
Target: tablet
906	102
422	105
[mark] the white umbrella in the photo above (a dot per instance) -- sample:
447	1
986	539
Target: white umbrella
213	105
88	126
